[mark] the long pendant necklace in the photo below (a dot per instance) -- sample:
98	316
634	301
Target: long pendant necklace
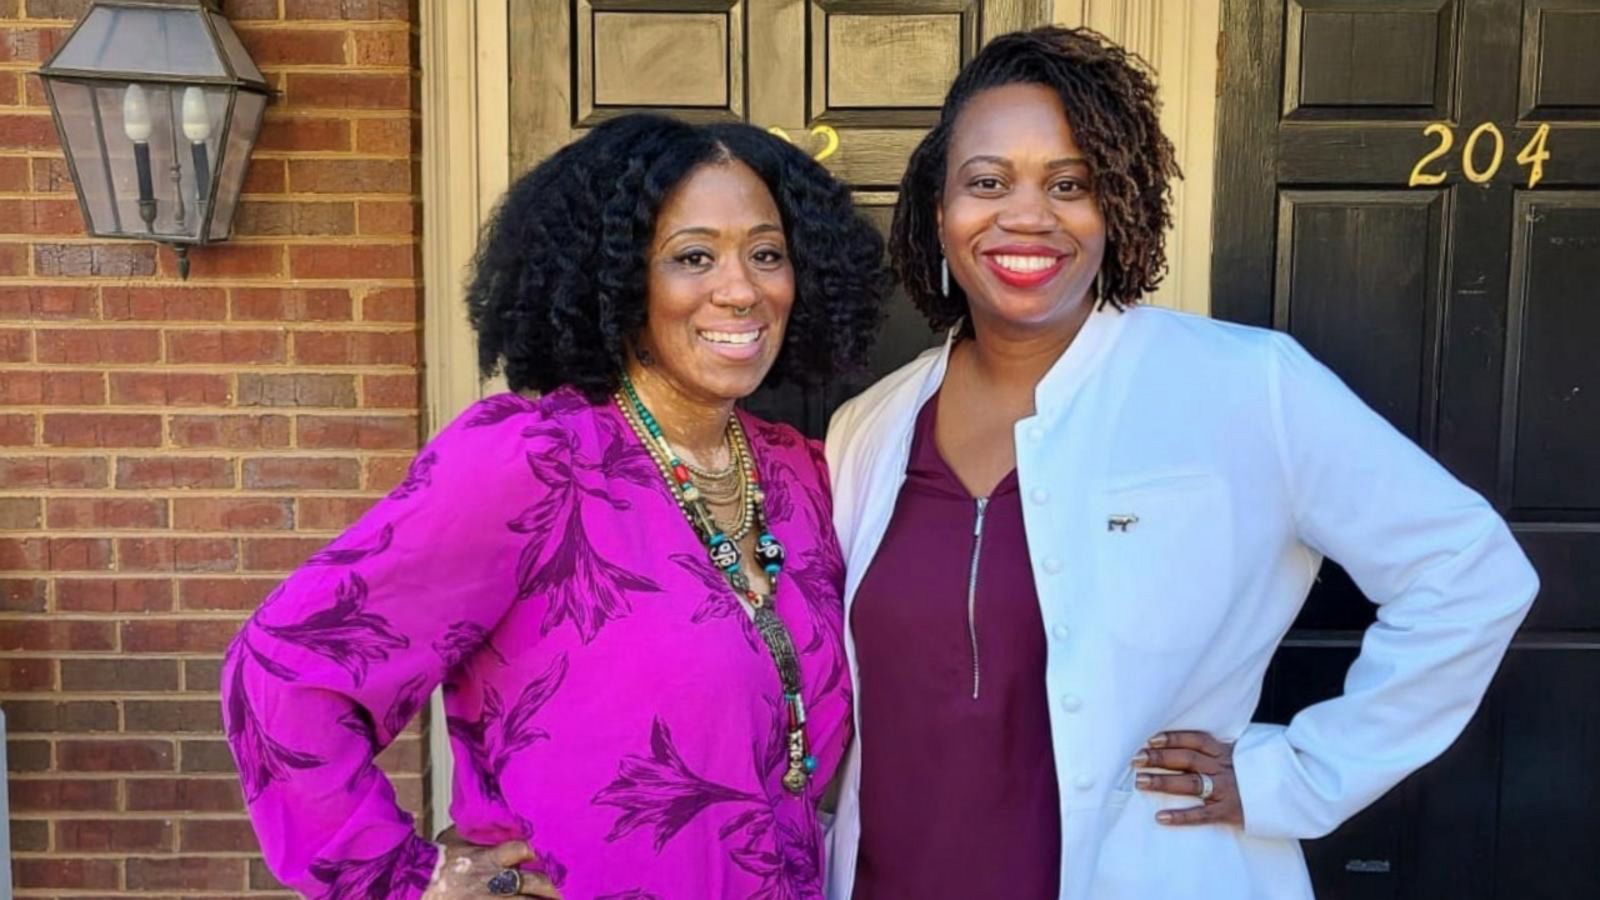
724	553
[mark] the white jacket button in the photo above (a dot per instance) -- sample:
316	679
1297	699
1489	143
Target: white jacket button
1040	496
1083	782
1071	703
1060	632
1052	565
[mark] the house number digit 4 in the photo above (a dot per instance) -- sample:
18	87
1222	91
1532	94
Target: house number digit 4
1533	154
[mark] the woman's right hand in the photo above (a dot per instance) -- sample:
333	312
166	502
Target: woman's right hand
467	869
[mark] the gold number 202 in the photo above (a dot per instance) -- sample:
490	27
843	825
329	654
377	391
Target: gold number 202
1533	154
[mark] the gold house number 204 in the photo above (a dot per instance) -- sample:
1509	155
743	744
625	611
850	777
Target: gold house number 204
1533	154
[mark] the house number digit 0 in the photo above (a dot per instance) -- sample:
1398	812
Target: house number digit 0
830	140
1533	154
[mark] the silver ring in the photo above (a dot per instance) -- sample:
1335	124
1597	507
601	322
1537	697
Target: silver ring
740	312
1207	786
506	883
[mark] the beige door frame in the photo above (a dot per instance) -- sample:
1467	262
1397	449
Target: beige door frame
466	165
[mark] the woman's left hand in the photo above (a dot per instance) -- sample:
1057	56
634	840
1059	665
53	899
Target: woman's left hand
1192	754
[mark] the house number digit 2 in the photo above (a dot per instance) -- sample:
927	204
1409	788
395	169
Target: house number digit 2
830	140
1533	154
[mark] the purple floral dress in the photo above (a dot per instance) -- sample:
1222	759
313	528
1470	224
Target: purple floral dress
608	698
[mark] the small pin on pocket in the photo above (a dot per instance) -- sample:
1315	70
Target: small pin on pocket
1121	523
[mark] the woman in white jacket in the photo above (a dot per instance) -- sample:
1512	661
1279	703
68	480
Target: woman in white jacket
1076	533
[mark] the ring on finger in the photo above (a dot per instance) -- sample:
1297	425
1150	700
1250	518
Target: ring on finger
1207	786
506	883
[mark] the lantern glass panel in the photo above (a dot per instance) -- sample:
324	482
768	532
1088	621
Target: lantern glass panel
151	41
239	58
153	115
247	111
87	153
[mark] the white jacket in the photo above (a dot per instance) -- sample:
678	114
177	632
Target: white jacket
1245	461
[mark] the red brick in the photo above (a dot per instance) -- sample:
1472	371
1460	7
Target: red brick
390	217
41	302
57	9
29	44
17	554
102	430
318	90
142	473
55	217
14	174
217	836
390	391
383	473
264	217
297	47
164	304
332	513
16	345
357	432
261	878
368	348
266	176
168	389
297	390
88	874
351	176
55	554
10	89
20	472
122	675
23	595
105	595
79	346
20	513
28	756
365	10
186	795
211	757
229	261
51	176
233	513
45	716
113	835
29	835
36	387
85	260
202	676
18	675
43	636
291	304
107	513
60	795
302	474
224	593
178	635
236	10
172	716
303	133
116	756
29	131
279	554
227	345
18	430
237	431
383	48
388	137
177	554
180	873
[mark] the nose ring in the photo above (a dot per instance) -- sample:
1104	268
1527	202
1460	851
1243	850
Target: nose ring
740	312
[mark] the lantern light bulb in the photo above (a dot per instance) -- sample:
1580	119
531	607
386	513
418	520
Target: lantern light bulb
196	115
135	114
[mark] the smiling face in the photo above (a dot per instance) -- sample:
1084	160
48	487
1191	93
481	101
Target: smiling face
1021	229
720	285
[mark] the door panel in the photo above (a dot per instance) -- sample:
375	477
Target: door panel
814	69
1459	306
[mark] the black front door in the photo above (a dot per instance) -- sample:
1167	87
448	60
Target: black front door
1412	189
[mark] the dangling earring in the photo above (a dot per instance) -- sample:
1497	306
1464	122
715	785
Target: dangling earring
944	276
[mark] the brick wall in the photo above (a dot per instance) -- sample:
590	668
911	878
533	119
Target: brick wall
169	450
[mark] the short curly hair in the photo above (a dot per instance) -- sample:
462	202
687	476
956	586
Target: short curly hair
1111	102
559	284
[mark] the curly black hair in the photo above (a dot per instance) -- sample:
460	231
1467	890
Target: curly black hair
1111	102
559	287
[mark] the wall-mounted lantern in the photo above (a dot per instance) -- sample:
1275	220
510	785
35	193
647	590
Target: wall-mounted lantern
158	105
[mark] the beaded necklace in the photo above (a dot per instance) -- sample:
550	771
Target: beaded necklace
724	553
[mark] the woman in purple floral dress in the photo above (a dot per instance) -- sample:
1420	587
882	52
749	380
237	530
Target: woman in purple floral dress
629	590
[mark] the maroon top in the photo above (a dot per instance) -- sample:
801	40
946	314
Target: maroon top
958	778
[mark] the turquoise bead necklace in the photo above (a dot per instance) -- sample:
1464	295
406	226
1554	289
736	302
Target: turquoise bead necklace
725	555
